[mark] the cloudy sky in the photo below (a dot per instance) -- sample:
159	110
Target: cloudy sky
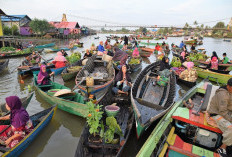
136	12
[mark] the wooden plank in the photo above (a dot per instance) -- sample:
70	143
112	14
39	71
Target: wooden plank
182	112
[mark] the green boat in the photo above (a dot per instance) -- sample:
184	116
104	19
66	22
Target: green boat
45	46
213	76
145	38
153	44
150	102
184	131
70	73
71	102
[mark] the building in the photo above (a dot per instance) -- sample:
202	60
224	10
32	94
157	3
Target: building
66	28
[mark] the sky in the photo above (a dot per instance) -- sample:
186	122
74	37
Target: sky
124	12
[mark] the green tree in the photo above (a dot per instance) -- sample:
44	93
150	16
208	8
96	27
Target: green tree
220	25
186	25
195	23
14	30
40	26
6	30
124	30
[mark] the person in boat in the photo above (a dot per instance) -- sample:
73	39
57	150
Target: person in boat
87	54
125	40
214	54
214	63
43	76
27	61
124	48
77	41
220	115
92	48
106	43
120	55
157	47
122	81
193	47
181	44
64	53
190	74
101	49
225	60
21	125
59	61
182	57
135	53
36	57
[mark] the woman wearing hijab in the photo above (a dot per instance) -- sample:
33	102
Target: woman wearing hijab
214	54
214	63
164	64
21	125
120	55
64	53
190	74
135	53
182	57
59	61
122	81
43	76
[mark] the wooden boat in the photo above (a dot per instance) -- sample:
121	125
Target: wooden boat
143	52
135	67
73	103
186	83
70	73
50	50
40	121
153	44
227	40
3	64
103	77
5	56
57	71
222	68
25	101
125	119
78	45
96	37
45	46
145	38
183	131
149	101
213	76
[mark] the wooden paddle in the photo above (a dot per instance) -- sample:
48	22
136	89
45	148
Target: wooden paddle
78	84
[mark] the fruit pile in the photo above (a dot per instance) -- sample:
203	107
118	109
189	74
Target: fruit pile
176	62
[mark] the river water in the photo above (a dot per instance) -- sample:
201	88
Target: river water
60	137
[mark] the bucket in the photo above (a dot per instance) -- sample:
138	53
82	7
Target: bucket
89	81
112	110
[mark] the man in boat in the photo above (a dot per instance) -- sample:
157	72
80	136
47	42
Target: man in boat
225	59
101	49
220	111
181	44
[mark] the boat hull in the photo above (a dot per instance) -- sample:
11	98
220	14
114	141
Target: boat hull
4	65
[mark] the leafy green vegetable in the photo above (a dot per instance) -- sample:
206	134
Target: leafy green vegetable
134	61
74	57
113	128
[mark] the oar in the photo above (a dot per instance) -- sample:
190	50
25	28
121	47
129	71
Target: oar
78	84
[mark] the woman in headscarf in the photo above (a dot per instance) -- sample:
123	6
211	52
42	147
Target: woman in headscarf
190	74
214	54
20	126
182	57
214	63
122	81
59	61
64	53
135	53
87	54
120	55
164	64
43	76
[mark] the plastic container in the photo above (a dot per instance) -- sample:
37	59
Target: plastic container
112	110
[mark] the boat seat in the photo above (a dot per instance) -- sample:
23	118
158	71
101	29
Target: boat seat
177	147
186	115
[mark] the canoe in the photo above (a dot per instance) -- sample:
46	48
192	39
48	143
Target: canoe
3	64
73	104
145	38
125	119
57	71
213	76
135	67
14	55
25	101
222	68
150	102
45	46
96	37
182	133
103	77
190	42
79	45
70	73
50	50
153	44
40	121
142	53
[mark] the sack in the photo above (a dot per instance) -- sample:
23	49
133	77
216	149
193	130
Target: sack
84	61
163	81
106	58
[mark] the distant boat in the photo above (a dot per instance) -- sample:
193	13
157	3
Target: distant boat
96	37
227	40
45	46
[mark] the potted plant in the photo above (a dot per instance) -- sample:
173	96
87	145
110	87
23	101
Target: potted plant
113	132
93	121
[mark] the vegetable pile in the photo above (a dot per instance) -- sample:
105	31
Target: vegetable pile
197	57
179	70
176	62
7	49
134	61
74	57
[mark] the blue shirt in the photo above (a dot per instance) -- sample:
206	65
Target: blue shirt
181	44
101	48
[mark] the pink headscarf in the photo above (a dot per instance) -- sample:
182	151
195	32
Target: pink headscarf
183	54
60	57
135	52
214	59
190	65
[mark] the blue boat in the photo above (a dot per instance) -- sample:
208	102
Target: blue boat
40	121
45	46
58	71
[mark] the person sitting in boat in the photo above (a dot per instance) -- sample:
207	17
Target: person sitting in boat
43	76
122	81
124	48
64	53
27	61
214	54
92	48
157	47
214	63
220	112
182	57
59	61
135	53
181	44
120	55
106	43
87	54
225	60
21	125
190	74
36	57
101	49
125	40
193	47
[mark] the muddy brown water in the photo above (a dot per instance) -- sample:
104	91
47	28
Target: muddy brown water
61	136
